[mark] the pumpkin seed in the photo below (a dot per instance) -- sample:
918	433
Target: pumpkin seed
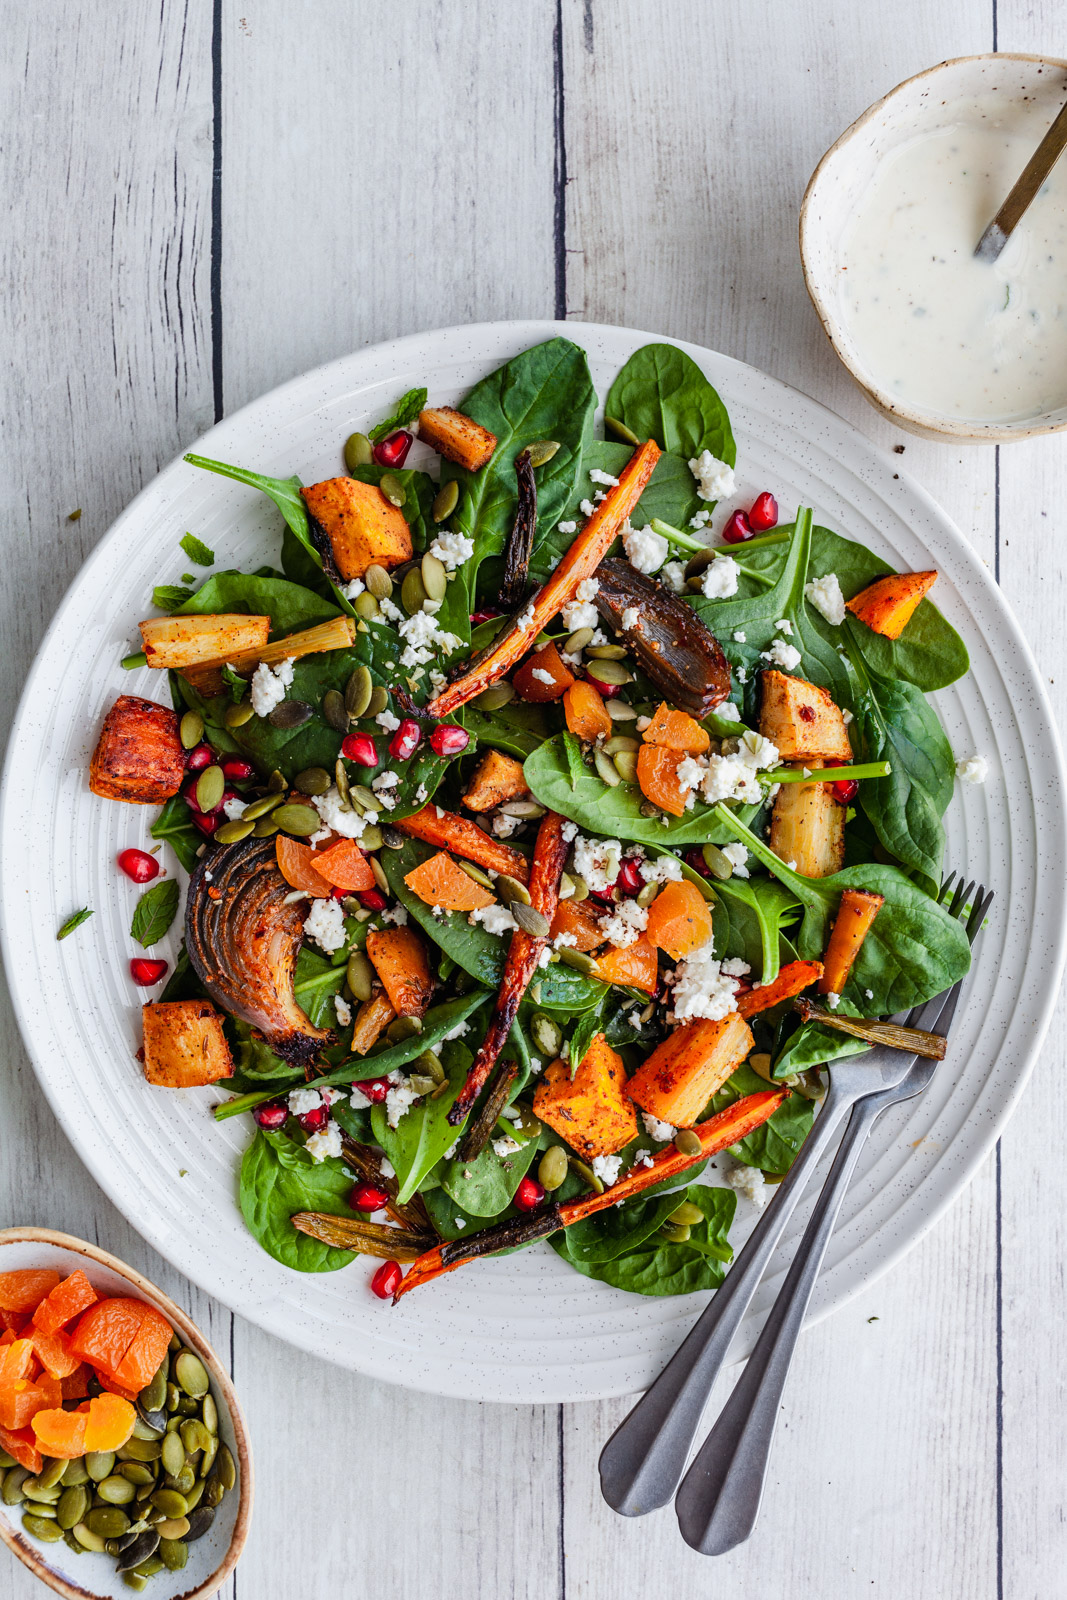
137	1471
183	1483
358	452
139	1450
201	1519
358	692
72	1506
140	1550
497	695
143	1428
40	1508
393	488
170	1502
523	1122
298	820
237	716
313	780
606	769
88	1539
210	787
717	862
620	430
191	1374
291	714
547	1035
364	798
72	1543
686	1215
173	1552
580	891
429	1064
521	808
620	711
117	1491
542	450
552	1168
587	1175
187	1407
412	592
264	828
619	743
434	577
49	1475
172	1527
578	640
233	832
378	581
194	1436
107	1522
392	838
154	1397
402	1028
191	729
5	1461
99	1464
606	652
74	1473
649	810
254	809
42	1528
673	1233
687	1143
646	895
511	891
149	1568
34	1491
626	766
609	672
227	1468
192	1496
360	975
761	1064
334	710
420	1084
133	1580
366	606
379	874
213	1490
579	961
445	500
530	920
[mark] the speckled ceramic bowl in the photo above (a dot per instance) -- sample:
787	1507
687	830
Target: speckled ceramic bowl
212	1558
1028	91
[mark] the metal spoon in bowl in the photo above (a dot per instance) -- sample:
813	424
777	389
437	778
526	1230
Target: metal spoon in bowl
1026	187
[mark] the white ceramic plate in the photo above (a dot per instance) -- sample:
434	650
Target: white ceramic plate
524	1328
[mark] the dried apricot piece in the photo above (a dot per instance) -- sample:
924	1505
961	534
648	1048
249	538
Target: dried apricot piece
635	966
66	1301
145	1356
106	1331
19	1402
108	1422
54	1352
61	1433
25	1288
22	1444
18	1360
76	1384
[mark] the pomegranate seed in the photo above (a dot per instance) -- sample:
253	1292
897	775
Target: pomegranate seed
147	972
695	858
845	790
360	748
368	1197
386	1280
138	865
485	615
606	690
375	1089
763	513
392	452
199	757
311	1121
271	1115
448	740
405	740
529	1194
629	880
237	770
207	822
741	986
738	529
371	899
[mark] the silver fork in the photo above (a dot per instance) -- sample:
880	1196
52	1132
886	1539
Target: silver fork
719	1500
643	1461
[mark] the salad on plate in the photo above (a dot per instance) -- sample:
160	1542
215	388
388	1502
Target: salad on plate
542	846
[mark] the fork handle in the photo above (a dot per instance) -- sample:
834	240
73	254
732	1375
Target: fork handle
719	1499
642	1462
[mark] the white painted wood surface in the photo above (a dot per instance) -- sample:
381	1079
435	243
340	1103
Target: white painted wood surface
370	171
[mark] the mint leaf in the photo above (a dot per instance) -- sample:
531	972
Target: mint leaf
155	912
407	409
74	921
197	550
169	596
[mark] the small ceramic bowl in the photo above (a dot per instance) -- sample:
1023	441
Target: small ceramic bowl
212	1558
1034	89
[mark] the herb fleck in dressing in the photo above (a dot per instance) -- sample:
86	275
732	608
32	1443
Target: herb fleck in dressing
936	327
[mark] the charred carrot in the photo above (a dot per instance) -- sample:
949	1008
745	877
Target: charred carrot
852	924
581	561
524	953
725	1128
463	838
793	977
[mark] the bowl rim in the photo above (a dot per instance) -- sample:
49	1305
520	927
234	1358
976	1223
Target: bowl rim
27	1553
928	424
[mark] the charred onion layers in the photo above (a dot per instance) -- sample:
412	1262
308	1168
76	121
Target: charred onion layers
674	648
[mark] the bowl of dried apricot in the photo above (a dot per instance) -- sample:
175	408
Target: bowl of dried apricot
124	1457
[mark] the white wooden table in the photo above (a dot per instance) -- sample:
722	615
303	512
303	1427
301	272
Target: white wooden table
205	197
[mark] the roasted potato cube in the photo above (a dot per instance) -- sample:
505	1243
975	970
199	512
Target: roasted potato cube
182	641
363	528
496	778
456	437
808	829
682	1073
337	634
138	756
184	1045
590	1112
802	720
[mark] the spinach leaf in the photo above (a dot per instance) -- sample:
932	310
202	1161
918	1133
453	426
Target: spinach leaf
655	1267
423	1133
315	983
484	1187
406	410
518	729
813	1046
75	920
174	825
588	1024
197	550
774	1146
757	907
661	394
154	912
289	606
279	1178
620	1229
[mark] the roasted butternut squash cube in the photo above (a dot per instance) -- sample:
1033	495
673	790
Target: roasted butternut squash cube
580	919
138	756
496	778
176	642
589	1112
456	437
440	881
808	829
363	528
542	677
184	1045
681	1075
888	604
399	958
802	720
677	730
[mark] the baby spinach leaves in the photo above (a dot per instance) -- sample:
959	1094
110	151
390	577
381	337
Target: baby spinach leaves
485	1186
278	1179
423	1133
655	1267
662	394
774	1146
154	912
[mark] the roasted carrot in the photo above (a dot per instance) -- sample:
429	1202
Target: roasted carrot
855	914
466	839
581	561
725	1128
524	953
793	977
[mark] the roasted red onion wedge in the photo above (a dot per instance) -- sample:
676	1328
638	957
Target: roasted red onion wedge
673	647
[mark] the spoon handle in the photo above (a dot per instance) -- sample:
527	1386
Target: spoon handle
1025	188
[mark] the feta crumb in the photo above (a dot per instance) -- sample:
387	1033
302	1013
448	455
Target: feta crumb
386	1168
301	1101
715	480
326	925
701	519
784	626
569	831
630	617
643	723
740	637
235	808
351	590
564	941
581	612
660	869
728	712
750	1182
626	924
586	507
460	1222
643	1158
975	769
397	917
738	855
494	919
387	721
506	1146
452	549
702	989
542	676
657	1129
597	861
567	527
269	685
846	717
607	1169
783	655
645	550
399	1099
673	575
327	1142
504	826
825	595
605	478
832	1000
457	1032
720	578
343	1010
869	993
358	1099
349	824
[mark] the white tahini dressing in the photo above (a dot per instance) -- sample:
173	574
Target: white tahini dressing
933	325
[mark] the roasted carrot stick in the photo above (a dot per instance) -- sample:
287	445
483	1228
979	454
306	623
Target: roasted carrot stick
725	1128
581	561
852	924
793	977
524	953
466	839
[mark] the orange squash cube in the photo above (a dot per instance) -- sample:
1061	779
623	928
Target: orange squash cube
456	437
681	1075
888	604
363	528
495	779
634	966
590	1112
439	881
138	756
184	1044
585	712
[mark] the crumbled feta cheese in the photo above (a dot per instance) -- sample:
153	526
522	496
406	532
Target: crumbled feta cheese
597	861
750	1182
630	617
564	941
269	685
742	674
326	925
327	1142
506	1146
301	1101
657	1129
784	626
643	723
586	507
384	780
331	1096
567	527
397	917
452	549
720	578
643	1158
494	919
542	676
832	1000
825	595
728	712
660	869
701	519
626	924
783	655
343	1010
351	590
737	854
702	989
715	480
758	751
504	826
349	824
605	478
399	1099
607	1169
235	808
869	993
734	967
424	640
975	769
645	550
846	717
740	637
569	831
673	575
387	721
457	1032
581	612
386	1168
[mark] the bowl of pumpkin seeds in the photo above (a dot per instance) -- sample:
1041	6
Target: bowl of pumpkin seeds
168	1512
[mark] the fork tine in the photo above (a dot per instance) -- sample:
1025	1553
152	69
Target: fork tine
982	901
960	897
944	889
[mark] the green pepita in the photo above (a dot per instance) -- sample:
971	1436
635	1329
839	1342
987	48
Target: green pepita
298	820
173	1553
134	1581
378	582
72	1506
191	729
191	1374
578	640
265	827
393	488
673	1233
620	711
170	1502
530	920
552	1168
717	862
143	1429
366	606
360	975
334	711
402	1028
686	1215
358	692
413	592
587	1175
434	577
184	1481
606	769
511	891
138	1472
74	1473
609	672
260	807
107	1522
619	742
547	1035
207	1455
475	872
88	1539
149	1568
620	430
313	780
173	1453
626	766
358	452
154	1397
579	887
496	696
606	652
210	787
192	1496
445	500
687	1143
237	716
648	893
50	1474
99	1464
542	450
42	1528
521	808
579	961
291	714
421	1084
379	874
364	798
194	1435
172	1527
226	1470
117	1491
233	832
214	1489
6	1461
